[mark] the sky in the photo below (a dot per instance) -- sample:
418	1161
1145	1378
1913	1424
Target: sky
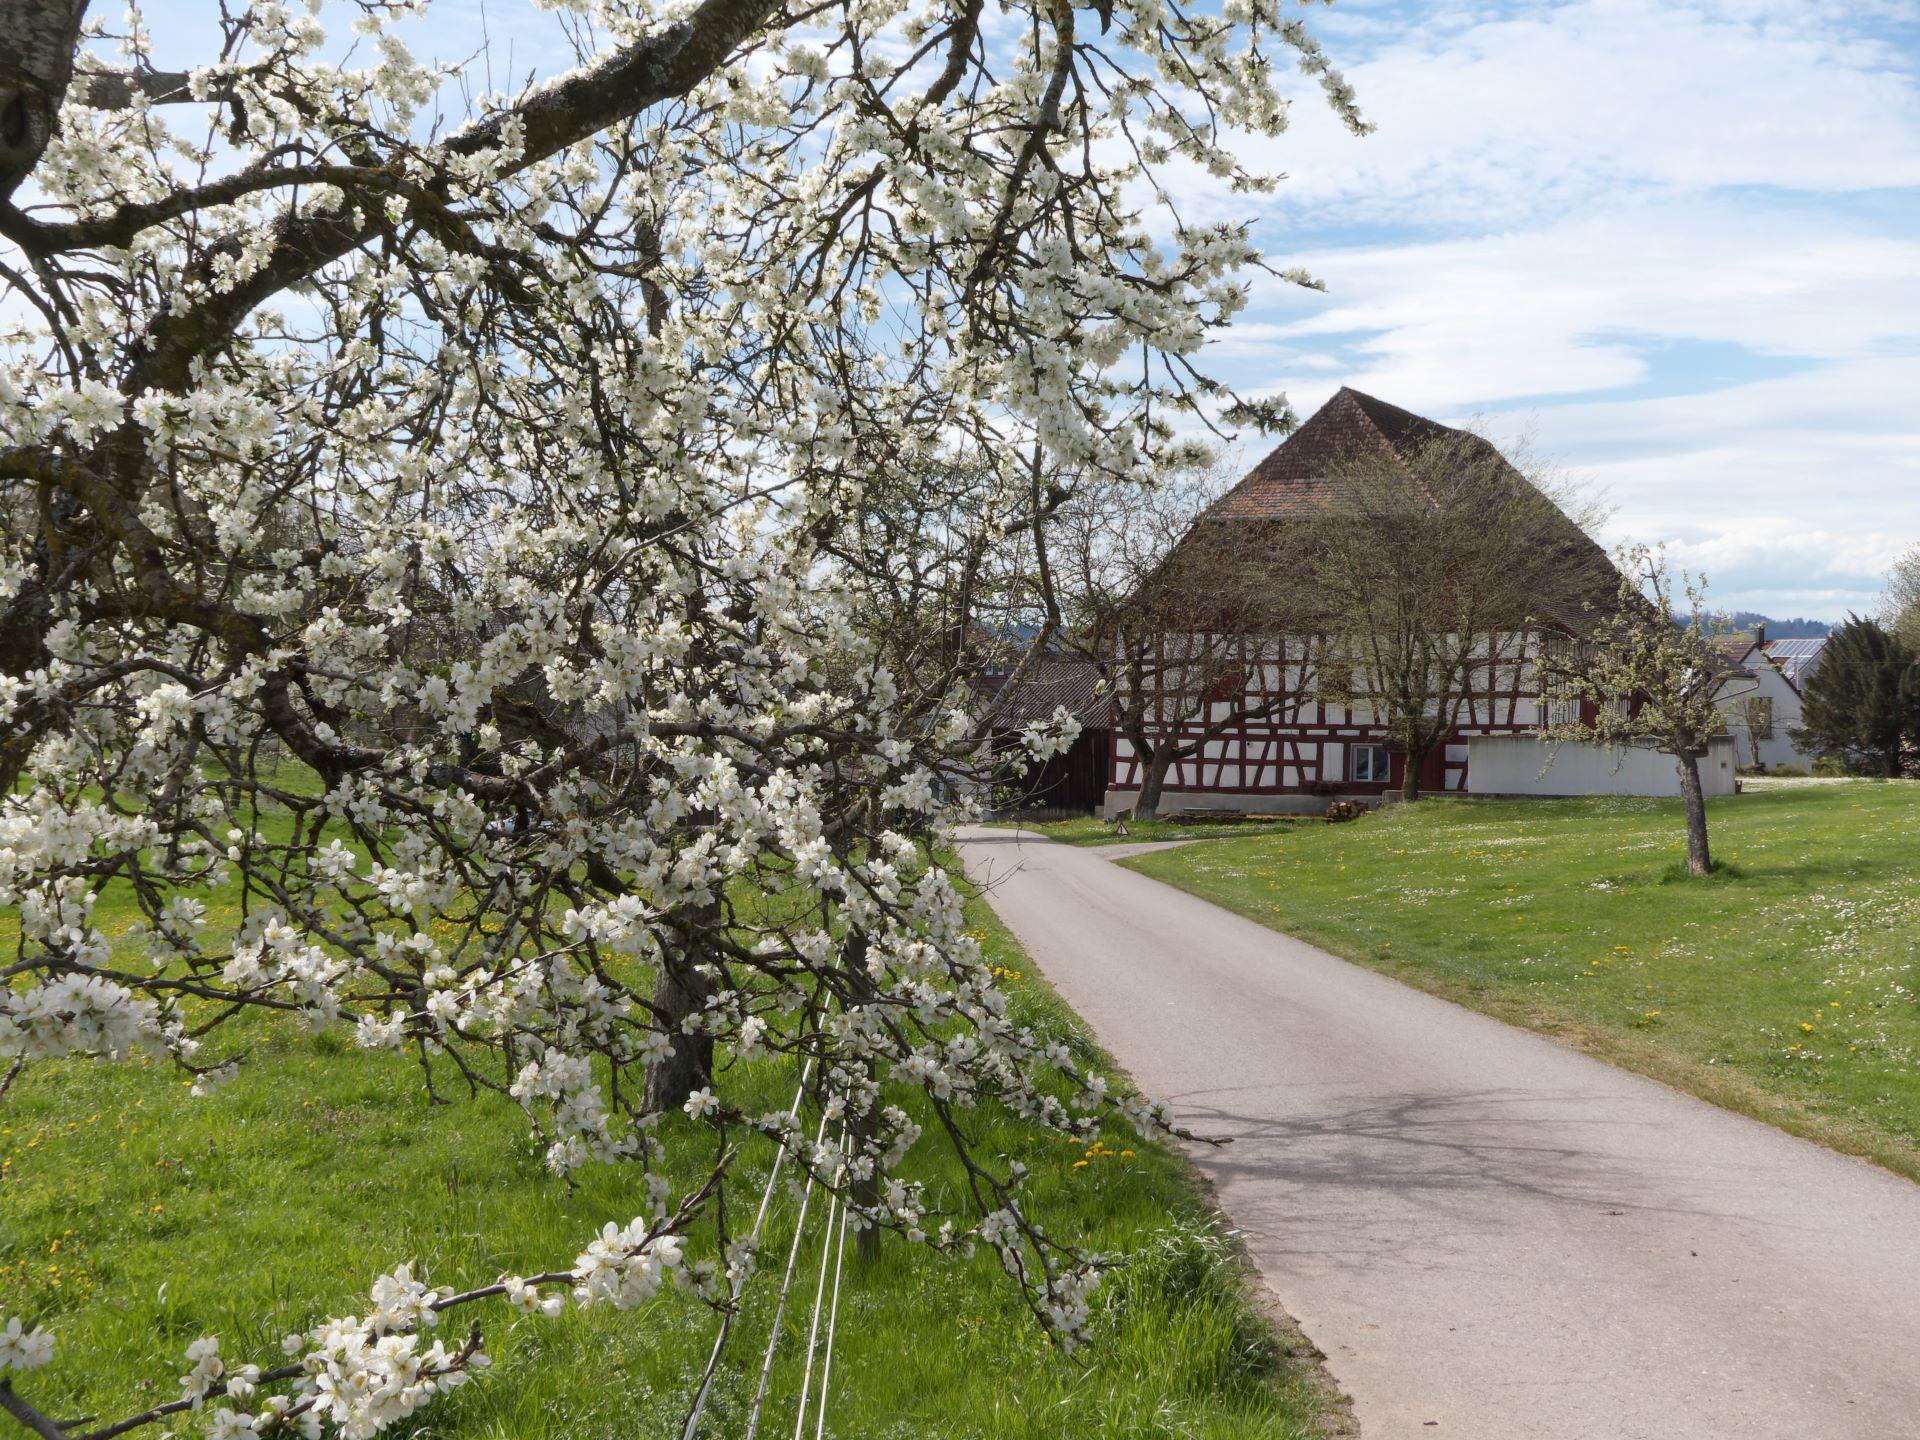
1671	245
1674	247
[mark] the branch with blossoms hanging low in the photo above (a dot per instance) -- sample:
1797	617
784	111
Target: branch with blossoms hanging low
457	541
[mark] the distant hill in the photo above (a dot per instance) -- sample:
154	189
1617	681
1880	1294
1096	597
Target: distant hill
1794	629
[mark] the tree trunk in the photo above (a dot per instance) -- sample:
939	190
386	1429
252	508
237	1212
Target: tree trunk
1147	807
682	991
1698	861
1410	777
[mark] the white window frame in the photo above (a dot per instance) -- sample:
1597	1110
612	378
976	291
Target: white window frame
1379	765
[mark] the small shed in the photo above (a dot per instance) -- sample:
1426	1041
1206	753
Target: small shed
1071	783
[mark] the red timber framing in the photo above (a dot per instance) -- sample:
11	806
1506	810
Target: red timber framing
1304	744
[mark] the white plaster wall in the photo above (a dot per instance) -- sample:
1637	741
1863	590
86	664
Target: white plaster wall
1778	748
1511	765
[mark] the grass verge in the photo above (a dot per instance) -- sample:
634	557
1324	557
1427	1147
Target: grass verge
1783	986
134	1218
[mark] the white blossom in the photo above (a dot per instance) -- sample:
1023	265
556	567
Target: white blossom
22	1348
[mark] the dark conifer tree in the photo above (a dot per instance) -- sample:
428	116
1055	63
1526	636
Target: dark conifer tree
1862	703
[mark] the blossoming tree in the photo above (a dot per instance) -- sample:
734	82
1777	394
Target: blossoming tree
439	530
1649	672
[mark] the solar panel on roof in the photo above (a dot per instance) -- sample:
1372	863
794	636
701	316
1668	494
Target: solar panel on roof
1796	654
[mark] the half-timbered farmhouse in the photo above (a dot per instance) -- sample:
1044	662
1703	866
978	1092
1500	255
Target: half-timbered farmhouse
1298	740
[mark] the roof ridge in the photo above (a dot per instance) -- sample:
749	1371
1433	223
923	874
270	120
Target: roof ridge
1372	407
1290	482
1319	447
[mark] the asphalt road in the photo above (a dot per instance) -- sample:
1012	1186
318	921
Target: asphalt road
1488	1234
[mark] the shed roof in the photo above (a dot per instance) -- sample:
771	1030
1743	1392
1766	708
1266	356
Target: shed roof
1051	682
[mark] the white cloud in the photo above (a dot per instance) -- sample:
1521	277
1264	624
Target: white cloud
1542	108
1778	566
1583	304
1793	495
1829	450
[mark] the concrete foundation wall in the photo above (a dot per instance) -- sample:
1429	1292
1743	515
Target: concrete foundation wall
1172	802
1512	765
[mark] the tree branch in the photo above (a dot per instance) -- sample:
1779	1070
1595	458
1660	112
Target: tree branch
36	66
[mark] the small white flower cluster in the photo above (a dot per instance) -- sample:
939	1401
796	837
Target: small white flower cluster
280	957
209	1369
23	1347
1044	739
77	1015
578	1110
531	1299
401	1302
355	1376
626	1265
1067	1299
362	1382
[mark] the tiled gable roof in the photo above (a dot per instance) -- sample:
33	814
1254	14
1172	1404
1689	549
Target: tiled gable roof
1353	429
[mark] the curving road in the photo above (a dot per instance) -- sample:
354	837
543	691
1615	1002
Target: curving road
1489	1235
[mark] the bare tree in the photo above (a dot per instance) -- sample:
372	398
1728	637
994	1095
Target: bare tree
1644	675
1753	713
1436	565
1183	613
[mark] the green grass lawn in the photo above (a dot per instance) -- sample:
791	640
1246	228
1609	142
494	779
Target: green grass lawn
134	1218
1784	986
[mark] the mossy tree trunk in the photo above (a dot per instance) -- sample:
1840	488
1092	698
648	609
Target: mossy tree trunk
1153	779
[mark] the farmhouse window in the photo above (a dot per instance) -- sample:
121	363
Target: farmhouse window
1368	764
1760	717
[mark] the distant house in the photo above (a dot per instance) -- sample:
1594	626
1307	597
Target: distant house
1072	783
1762	697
